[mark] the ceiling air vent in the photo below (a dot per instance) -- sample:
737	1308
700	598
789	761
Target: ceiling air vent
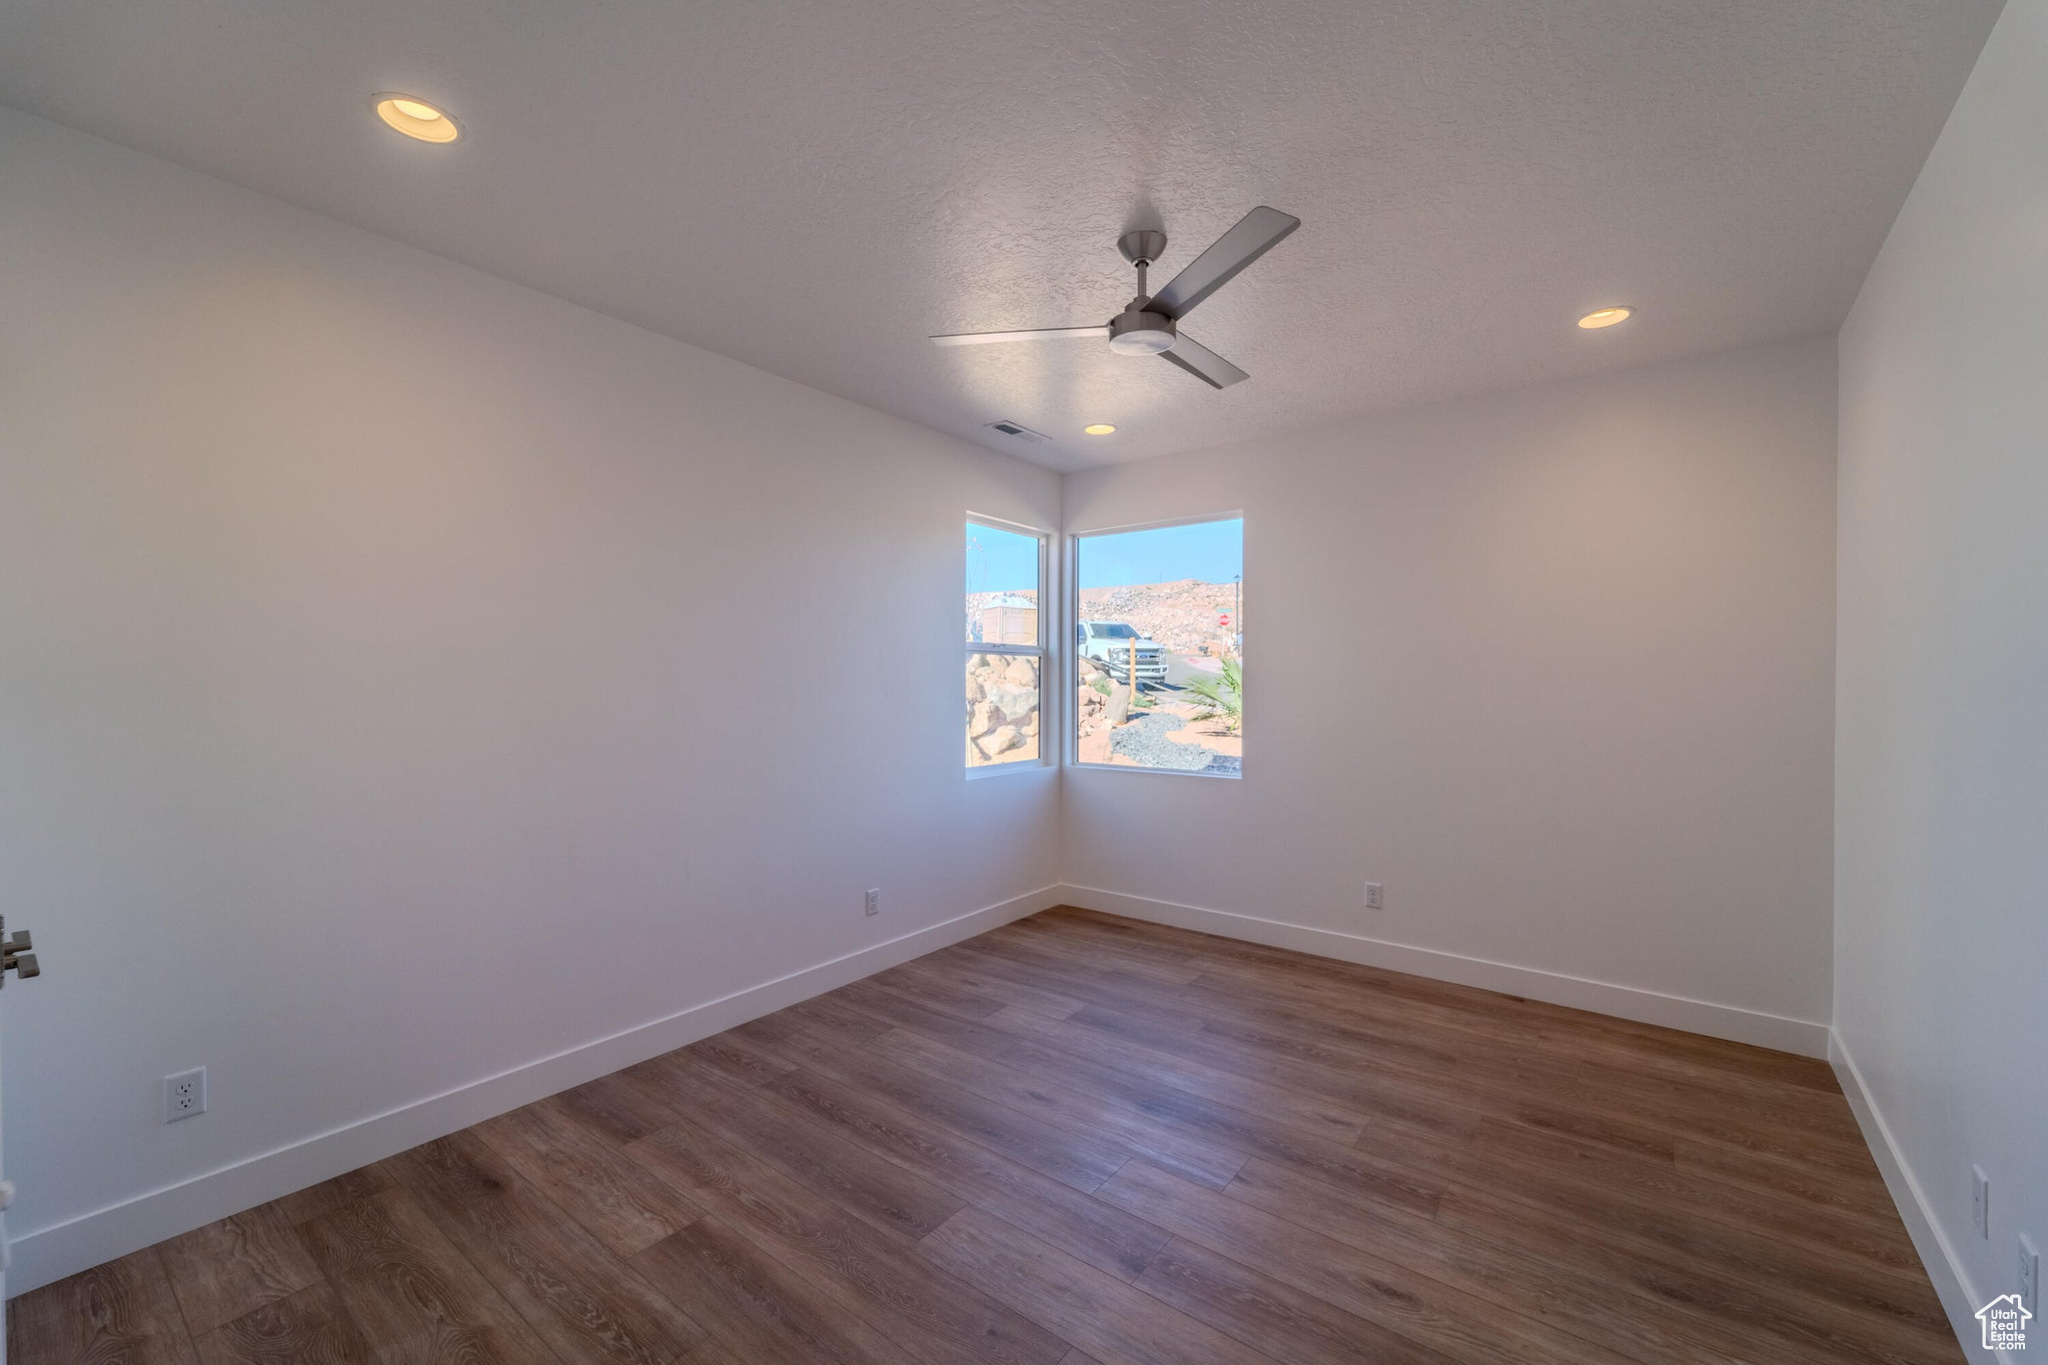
1020	431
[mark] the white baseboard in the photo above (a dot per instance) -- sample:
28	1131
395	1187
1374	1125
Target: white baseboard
1624	1002
90	1239
1951	1282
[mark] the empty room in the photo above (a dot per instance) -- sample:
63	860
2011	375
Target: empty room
622	719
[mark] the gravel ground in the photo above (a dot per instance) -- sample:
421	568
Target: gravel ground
1144	741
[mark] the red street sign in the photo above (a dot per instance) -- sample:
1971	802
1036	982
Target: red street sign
1224	619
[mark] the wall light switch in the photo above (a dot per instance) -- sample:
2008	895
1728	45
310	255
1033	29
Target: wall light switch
1980	1201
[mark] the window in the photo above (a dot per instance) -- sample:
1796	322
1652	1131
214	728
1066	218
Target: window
1159	648
1005	645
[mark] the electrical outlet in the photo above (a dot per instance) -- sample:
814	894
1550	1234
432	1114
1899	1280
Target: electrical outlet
184	1094
1375	896
1980	1201
874	901
2030	1277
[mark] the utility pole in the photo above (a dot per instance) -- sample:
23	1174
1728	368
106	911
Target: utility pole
1237	612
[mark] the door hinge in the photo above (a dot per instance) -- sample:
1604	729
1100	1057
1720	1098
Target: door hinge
15	955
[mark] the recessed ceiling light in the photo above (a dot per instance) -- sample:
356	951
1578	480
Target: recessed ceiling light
1605	317
416	118
1099	429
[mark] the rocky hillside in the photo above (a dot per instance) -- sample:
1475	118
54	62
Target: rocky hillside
1184	616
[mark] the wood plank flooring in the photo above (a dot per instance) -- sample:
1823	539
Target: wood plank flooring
1080	1140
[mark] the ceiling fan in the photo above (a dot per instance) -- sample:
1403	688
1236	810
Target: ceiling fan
1151	324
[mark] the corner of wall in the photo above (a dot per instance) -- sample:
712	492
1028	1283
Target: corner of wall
1944	1268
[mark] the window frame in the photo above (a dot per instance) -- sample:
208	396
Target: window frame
1051	707
1070	666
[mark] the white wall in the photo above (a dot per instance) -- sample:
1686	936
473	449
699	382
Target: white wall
1555	666
1941	917
405	676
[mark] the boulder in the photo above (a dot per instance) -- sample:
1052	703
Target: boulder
1119	703
1014	702
985	718
1006	738
1021	671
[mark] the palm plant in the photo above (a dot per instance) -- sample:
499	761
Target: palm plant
1225	693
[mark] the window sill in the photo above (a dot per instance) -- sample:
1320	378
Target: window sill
1003	769
1162	772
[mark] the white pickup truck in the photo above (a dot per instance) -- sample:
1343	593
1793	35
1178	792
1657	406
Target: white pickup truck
1109	643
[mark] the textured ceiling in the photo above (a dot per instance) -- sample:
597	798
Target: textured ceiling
813	186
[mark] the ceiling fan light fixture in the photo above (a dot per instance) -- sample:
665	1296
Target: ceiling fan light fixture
1605	317
1140	333
416	118
1099	429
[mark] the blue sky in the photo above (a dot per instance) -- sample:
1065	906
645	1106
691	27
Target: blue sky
1213	551
1000	561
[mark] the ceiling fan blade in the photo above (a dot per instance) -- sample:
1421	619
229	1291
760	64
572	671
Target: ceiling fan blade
1203	363
1255	234
1042	334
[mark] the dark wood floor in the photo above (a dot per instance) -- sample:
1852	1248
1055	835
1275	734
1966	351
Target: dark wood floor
1081	1139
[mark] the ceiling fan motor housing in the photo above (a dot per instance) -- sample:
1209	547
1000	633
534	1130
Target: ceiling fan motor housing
1136	331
